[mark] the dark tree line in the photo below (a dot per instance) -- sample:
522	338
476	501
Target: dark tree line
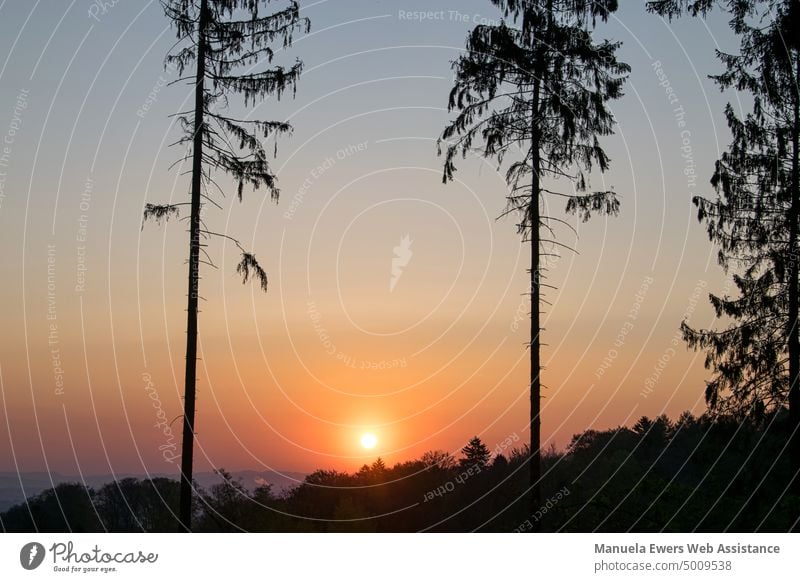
705	474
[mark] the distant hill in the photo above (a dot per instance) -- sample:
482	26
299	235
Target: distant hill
16	488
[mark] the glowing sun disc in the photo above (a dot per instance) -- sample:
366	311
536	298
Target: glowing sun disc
369	440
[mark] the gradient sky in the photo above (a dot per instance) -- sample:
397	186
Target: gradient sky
292	378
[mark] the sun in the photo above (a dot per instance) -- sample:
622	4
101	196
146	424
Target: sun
369	440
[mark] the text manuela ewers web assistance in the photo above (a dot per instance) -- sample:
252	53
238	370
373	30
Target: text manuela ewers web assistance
705	548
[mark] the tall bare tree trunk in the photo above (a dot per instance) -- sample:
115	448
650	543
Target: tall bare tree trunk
535	393
189	390
794	336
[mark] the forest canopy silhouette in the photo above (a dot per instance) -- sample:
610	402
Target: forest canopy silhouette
691	474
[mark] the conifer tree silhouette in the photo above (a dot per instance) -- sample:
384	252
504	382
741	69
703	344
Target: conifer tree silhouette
221	42
476	454
538	83
754	218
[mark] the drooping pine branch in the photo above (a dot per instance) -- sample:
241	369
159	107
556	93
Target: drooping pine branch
249	268
160	212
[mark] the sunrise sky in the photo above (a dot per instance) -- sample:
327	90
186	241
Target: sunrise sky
91	354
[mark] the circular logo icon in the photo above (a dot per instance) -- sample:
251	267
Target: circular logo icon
31	555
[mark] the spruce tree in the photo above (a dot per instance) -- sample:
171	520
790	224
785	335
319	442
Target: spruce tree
754	219
223	44
539	84
476	454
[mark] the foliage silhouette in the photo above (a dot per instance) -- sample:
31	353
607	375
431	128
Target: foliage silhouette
705	474
476	454
755	218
